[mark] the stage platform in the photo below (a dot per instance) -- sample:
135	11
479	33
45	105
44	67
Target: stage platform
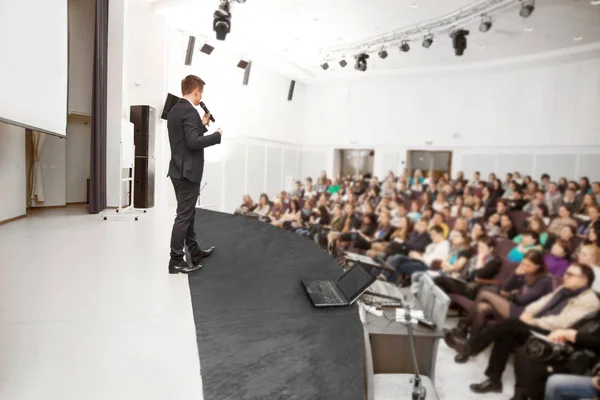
259	337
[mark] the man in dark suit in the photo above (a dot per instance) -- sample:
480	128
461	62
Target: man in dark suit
187	140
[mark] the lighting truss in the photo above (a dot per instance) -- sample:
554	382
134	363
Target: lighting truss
437	26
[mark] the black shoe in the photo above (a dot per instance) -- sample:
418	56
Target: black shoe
487	386
197	258
182	267
461	330
461	358
460	345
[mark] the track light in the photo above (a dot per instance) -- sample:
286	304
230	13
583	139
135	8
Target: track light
325	66
222	20
486	24
459	41
383	53
527	8
361	62
343	63
404	46
428	41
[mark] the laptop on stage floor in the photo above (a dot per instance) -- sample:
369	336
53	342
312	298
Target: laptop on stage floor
344	291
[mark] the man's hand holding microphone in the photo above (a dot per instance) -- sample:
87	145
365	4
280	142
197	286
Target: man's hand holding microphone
206	121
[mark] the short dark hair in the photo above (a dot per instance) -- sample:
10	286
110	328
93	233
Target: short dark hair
586	271
191	83
488	241
545	176
309	179
533	234
437	229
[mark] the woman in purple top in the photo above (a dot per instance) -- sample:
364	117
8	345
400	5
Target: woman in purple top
557	261
528	283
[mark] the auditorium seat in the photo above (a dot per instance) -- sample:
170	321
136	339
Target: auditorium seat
519	220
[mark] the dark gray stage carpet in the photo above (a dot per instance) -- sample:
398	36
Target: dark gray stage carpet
259	337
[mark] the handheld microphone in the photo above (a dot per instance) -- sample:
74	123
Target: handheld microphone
212	118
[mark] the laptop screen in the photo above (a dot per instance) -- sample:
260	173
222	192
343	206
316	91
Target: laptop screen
355	281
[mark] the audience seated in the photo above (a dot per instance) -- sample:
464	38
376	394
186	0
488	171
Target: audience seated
510	242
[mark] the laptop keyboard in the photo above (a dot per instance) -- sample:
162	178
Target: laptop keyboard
329	292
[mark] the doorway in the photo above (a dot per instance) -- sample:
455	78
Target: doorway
439	162
354	162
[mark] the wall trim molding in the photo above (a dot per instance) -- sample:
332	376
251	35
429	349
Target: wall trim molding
6	221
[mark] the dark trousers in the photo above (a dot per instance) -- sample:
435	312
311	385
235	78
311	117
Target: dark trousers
403	265
451	285
531	376
183	233
506	336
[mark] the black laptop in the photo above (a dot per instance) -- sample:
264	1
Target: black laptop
343	291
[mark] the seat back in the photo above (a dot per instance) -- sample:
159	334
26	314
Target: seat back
434	302
519	220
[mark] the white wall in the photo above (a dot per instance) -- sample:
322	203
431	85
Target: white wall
537	118
262	129
13	172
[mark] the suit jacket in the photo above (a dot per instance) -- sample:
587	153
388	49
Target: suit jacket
187	140
577	308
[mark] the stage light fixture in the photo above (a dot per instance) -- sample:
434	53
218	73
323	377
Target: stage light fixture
361	62
428	41
486	24
343	63
527	8
404	47
383	53
222	20
459	41
325	66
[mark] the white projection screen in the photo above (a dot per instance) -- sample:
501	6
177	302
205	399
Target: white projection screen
34	64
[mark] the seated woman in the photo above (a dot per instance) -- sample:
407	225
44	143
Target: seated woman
351	222
507	230
559	258
263	208
460	253
456	209
479	210
415	212
535	224
437	250
593	221
320	217
563	219
292	218
528	283
246	207
378	249
276	211
319	232
307	210
440	202
368	232
529	242
460	225
477	232
484	265
560	309
590	255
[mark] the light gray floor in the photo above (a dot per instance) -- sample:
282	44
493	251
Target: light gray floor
87	311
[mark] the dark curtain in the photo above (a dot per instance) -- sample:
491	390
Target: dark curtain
97	199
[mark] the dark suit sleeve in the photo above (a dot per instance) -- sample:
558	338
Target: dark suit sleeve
193	135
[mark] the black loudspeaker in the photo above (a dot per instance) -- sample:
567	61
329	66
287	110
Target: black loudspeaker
291	92
144	121
143	187
189	55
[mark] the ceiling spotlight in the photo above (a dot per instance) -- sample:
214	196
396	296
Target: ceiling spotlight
595	2
361	62
459	41
526	8
528	29
222	20
343	63
428	41
325	66
383	53
577	38
486	24
404	46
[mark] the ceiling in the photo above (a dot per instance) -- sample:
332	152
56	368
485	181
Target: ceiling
293	35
